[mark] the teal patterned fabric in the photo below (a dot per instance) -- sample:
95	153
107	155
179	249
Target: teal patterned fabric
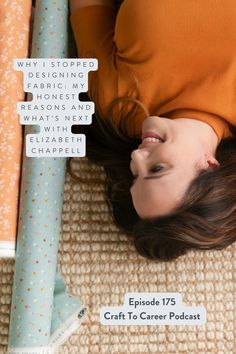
43	314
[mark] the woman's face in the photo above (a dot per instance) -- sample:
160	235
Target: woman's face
163	169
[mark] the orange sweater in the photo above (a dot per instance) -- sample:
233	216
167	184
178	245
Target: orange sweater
182	53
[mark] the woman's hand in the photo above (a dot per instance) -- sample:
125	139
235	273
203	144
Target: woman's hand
76	4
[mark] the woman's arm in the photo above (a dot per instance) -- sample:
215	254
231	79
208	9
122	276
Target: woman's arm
76	4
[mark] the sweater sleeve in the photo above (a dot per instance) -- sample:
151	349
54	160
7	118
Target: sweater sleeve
93	29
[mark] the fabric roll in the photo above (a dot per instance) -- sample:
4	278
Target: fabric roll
43	314
14	38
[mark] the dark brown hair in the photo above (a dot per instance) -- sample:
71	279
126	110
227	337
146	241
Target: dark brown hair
205	220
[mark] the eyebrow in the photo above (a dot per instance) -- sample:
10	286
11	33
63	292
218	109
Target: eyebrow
151	177
154	177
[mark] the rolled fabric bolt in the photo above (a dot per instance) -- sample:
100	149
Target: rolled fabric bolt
43	314
14	35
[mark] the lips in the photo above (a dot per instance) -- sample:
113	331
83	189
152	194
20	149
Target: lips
152	137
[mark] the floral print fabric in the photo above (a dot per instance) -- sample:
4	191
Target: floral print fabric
14	40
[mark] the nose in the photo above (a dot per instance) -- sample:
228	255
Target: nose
139	160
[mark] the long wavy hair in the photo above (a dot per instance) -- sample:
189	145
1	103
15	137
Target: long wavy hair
206	219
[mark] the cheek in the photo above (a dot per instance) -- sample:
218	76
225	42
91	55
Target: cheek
167	154
177	154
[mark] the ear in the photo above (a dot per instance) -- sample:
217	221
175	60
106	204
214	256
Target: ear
212	163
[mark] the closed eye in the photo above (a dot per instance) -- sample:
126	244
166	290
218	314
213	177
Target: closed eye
154	170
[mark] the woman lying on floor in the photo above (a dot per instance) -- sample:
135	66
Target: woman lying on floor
164	130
